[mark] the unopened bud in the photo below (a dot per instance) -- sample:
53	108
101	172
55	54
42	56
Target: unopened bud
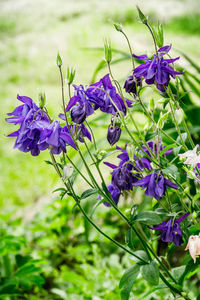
113	134
59	60
152	104
107	51
194	215
142	17
41	100
70	75
118	27
67	171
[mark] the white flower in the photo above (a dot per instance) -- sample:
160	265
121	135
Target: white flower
193	246
192	158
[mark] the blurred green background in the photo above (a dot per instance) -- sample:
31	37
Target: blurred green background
31	34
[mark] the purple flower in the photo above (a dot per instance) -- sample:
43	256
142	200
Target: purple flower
79	105
157	70
36	133
101	100
82	132
155	185
122	176
113	135
171	230
137	163
55	137
115	194
27	116
153	146
130	86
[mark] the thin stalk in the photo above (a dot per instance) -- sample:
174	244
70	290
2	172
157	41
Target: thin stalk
77	169
154	40
176	125
63	96
93	138
188	133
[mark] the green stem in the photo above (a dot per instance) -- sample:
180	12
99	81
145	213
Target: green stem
176	125
188	133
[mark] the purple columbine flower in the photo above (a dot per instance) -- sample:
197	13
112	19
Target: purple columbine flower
157	70
130	86
113	134
153	146
171	230
101	100
137	163
82	132
79	106
122	177
155	185
36	133
55	137
115	194
27	116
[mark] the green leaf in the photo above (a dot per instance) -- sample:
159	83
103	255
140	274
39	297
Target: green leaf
171	170
167	148
142	254
48	162
27	269
149	217
150	273
128	280
178	272
88	193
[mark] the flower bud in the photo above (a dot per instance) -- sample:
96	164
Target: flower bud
152	104
70	75
118	27
41	100
142	17
59	60
130	86
113	134
107	51
67	171
78	113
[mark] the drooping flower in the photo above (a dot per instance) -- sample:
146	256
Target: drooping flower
155	184
193	246
157	69
82	132
192	158
36	133
122	176
79	105
100	93
55	137
171	230
113	134
154	148
130	85
27	116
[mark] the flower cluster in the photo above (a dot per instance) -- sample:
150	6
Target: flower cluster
36	133
129	173
155	70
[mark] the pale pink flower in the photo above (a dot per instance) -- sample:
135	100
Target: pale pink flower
192	158
194	246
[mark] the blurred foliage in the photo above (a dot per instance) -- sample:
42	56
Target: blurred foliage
55	254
